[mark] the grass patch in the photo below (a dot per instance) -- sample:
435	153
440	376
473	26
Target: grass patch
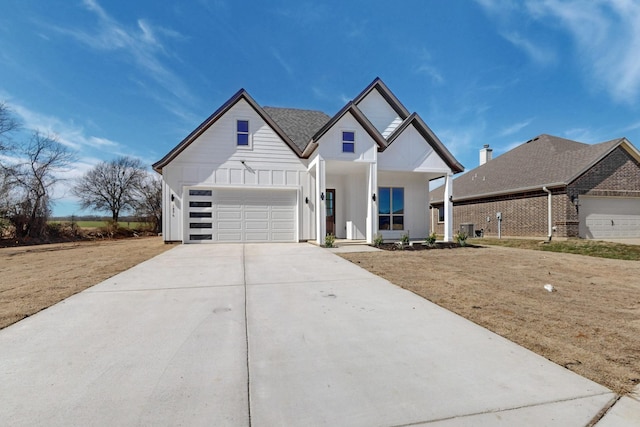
592	248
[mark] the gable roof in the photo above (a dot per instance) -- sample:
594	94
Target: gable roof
238	96
299	125
426	132
542	161
394	102
360	118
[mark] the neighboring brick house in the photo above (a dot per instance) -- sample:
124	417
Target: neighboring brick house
588	191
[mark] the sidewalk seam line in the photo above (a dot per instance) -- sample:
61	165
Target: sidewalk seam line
246	332
495	411
600	415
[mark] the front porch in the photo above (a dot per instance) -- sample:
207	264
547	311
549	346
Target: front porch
355	202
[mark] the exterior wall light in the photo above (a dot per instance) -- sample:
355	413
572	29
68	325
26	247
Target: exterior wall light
321	196
373	197
306	200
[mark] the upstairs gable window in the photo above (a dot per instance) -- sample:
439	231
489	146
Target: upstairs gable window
348	142
242	133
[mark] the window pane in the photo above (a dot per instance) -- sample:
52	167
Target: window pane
243	126
199	192
348	136
441	214
348	147
398	222
384	222
199	214
199	236
384	200
243	139
196	204
200	225
398	200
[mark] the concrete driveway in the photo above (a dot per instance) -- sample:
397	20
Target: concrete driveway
270	335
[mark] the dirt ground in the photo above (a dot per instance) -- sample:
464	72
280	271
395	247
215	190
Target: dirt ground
35	277
589	324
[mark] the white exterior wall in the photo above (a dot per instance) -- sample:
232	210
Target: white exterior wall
330	145
416	203
410	152
379	112
214	159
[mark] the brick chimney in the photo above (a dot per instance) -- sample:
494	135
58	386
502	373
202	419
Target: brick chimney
486	154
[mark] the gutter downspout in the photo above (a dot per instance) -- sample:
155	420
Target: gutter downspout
550	220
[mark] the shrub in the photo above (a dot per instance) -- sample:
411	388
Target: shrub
378	240
431	240
461	238
405	239
329	240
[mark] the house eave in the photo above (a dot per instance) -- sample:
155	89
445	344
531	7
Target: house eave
501	193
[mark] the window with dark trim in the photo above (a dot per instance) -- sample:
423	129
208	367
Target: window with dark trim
348	142
441	214
391	208
242	132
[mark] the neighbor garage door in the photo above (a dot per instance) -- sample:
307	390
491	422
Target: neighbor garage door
609	217
240	215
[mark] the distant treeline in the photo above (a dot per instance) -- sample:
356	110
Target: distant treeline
78	218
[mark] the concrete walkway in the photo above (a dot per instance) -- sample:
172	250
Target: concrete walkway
270	335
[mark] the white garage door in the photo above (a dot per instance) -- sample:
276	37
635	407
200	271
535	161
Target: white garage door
239	215
609	217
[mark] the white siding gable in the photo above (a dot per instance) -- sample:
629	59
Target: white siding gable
215	159
379	112
330	145
411	152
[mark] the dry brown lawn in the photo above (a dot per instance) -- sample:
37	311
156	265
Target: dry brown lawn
34	277
590	324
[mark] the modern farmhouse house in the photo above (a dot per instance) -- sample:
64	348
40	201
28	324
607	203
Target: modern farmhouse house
549	186
262	174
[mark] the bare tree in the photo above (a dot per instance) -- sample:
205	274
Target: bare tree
111	186
148	204
33	176
8	124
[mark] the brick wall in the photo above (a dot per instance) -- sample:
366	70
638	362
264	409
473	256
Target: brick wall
618	174
525	214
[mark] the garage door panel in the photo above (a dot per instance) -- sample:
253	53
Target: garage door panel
602	218
240	215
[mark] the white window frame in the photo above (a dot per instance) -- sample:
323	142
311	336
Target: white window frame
249	145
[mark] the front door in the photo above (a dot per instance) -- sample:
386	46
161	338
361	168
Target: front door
331	211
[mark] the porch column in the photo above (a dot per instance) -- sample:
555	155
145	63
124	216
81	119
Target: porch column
372	206
321	210
448	208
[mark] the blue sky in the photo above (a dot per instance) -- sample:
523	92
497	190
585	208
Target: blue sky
135	77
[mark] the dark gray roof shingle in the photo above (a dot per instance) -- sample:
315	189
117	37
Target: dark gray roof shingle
299	125
543	161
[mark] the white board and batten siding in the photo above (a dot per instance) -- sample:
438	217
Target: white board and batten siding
330	145
252	173
379	112
609	217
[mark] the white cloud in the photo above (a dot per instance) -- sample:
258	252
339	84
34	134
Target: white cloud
608	36
431	72
605	32
69	134
141	45
515	128
538	54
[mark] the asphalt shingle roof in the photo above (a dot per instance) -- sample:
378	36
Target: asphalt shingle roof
543	161
299	125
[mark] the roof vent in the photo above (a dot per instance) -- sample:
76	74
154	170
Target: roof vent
486	154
